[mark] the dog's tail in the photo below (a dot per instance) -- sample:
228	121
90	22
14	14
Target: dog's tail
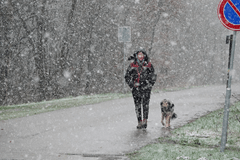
174	116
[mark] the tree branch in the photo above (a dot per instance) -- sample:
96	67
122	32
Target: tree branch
237	118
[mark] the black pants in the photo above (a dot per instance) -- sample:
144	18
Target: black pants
141	100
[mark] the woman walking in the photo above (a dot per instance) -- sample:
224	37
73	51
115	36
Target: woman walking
140	78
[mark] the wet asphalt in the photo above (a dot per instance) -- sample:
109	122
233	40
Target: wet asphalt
103	131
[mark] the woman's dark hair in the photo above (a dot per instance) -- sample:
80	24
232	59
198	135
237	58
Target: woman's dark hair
134	56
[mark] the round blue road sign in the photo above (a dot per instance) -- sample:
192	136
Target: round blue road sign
229	14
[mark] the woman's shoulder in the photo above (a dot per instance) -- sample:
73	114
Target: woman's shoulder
133	64
148	64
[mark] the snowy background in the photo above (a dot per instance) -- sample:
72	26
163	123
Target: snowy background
60	48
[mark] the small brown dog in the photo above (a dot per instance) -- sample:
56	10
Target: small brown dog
167	110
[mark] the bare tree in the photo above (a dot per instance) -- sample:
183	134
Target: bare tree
54	49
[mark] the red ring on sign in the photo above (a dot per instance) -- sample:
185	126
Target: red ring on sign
222	17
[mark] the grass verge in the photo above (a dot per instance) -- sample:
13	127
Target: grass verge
17	111
199	140
23	110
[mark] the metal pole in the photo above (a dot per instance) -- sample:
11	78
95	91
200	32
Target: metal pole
124	67
228	95
229	40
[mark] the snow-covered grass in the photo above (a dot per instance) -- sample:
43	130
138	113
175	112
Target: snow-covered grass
22	110
181	152
199	140
16	111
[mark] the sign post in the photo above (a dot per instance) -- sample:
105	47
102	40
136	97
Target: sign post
124	35
229	15
228	93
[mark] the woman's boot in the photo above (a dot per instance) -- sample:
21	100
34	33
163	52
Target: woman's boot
139	126
144	123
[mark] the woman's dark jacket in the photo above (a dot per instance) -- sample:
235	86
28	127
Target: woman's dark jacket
142	73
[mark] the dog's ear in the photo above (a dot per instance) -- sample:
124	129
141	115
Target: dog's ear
161	103
169	104
172	105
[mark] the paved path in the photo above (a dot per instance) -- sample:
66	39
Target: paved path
102	131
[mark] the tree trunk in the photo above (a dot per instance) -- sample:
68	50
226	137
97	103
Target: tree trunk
66	41
5	51
40	54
